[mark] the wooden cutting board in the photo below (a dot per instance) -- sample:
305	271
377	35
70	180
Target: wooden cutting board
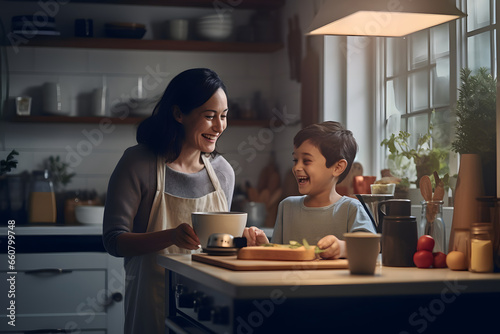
276	253
232	263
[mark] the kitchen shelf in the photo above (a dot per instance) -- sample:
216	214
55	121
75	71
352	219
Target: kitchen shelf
142	44
118	120
217	4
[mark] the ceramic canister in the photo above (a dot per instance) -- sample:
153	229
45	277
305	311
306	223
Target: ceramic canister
399	241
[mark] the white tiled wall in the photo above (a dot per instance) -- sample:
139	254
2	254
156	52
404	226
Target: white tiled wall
93	153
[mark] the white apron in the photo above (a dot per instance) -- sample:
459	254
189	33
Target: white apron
145	279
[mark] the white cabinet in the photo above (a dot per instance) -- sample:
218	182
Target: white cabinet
64	293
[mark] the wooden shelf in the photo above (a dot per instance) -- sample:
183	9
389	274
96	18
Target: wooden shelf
118	120
222	5
142	44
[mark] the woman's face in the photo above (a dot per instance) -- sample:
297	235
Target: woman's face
204	125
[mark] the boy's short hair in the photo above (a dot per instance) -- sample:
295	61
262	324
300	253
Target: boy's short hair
333	141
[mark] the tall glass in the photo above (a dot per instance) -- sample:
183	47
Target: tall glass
432	223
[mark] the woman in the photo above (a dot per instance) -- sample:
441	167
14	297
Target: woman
173	171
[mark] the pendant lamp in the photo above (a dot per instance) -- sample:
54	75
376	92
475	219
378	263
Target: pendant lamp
385	18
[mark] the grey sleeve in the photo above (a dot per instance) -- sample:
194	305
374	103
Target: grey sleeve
126	197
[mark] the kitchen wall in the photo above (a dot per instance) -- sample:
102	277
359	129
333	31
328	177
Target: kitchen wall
93	150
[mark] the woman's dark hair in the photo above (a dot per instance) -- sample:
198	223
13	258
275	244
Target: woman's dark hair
188	90
333	141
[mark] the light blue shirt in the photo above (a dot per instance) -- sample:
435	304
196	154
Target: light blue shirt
295	221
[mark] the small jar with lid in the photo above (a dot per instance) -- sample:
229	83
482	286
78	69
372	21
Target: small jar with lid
481	248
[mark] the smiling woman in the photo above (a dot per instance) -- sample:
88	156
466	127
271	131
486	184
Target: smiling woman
157	184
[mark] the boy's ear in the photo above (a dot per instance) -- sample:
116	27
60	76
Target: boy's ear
339	167
177	114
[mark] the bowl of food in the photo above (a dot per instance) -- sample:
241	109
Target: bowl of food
383	188
207	223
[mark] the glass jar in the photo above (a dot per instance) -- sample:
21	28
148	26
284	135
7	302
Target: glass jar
42	203
431	223
481	248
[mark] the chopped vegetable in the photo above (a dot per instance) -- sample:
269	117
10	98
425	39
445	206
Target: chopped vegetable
294	245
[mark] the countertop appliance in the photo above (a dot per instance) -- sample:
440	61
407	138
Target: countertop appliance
206	299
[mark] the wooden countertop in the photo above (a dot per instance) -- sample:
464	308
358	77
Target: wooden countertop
387	281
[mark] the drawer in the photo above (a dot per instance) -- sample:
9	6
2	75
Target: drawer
59	291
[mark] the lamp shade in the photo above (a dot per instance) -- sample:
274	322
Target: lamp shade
387	18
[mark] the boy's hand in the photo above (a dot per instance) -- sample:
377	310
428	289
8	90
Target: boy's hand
255	236
334	248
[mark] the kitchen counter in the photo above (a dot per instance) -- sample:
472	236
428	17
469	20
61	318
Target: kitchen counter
54	229
44	238
399	294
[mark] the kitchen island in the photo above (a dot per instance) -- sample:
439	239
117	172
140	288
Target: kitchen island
394	300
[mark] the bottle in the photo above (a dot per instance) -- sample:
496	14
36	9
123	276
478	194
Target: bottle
42	200
481	248
432	224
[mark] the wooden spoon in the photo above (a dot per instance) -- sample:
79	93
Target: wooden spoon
439	190
426	188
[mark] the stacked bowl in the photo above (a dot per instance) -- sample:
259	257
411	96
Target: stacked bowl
215	27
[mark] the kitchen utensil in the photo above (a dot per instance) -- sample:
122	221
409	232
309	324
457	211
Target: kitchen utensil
276	253
232	263
99	101
439	189
208	223
215	27
23	105
52	99
426	187
89	214
362	250
432	224
224	244
379	188
256	213
370	203
392	207
178	29
399	241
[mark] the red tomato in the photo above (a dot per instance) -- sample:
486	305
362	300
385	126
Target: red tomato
423	259
425	242
439	260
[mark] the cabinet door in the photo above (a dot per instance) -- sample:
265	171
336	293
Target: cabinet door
59	291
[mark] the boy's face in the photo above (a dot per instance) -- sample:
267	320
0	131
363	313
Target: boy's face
310	171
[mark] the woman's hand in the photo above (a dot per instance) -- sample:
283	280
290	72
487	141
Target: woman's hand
334	248
184	237
255	236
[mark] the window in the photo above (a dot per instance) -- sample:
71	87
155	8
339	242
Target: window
421	73
480	34
417	76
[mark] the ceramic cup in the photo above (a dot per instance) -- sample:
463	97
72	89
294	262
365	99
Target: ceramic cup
362	252
178	29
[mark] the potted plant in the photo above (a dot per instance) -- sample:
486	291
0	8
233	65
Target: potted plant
476	122
424	160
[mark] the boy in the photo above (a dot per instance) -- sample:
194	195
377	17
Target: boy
323	155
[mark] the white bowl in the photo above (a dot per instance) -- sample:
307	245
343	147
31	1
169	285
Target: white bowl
207	223
89	214
214	34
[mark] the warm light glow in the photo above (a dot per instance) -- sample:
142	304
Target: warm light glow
387	24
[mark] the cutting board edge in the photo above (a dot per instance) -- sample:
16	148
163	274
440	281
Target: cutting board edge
293	265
